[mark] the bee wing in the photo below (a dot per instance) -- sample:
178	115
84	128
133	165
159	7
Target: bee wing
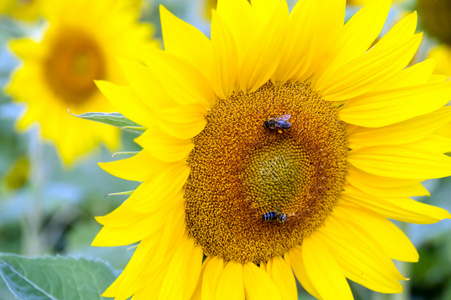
284	124
284	118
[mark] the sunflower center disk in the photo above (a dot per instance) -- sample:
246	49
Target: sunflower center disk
242	172
75	61
274	177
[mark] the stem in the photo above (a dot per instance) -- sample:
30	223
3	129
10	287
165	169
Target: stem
31	224
378	296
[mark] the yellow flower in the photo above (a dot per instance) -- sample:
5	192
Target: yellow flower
209	5
81	44
363	2
442	55
435	18
280	144
28	10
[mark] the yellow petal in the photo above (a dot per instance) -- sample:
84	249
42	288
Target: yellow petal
173	232
225	57
323	270
281	274
27	118
366	186
26	48
262	58
391	238
183	121
159	258
263	266
177	273
179	79
434	144
162	190
407	191
197	295
258	284
230	284
194	271
328	31
362	260
401	133
401	209
379	181
441	54
210	280
295	259
358	34
445	130
228	10
257	47
128	281
185	41
417	74
359	75
401	32
127	102
156	279
298	45
163	146
154	194
264	8
129	227
131	168
145	83
401	162
392	106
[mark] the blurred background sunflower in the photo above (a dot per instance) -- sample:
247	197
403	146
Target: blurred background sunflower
28	10
59	69
47	209
436	22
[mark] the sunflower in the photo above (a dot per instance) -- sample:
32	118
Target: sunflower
281	144
81	44
363	2
435	18
442	55
27	10
208	5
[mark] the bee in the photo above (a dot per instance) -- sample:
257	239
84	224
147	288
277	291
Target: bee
276	215
278	122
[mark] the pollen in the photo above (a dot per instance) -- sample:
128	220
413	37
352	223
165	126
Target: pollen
73	64
241	169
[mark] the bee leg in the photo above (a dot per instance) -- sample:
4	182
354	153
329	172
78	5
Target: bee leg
279	130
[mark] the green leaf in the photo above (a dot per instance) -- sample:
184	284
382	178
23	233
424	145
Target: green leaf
125	153
134	129
55	277
115	119
126	193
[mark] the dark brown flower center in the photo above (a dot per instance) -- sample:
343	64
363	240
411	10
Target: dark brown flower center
242	171
73	64
435	18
